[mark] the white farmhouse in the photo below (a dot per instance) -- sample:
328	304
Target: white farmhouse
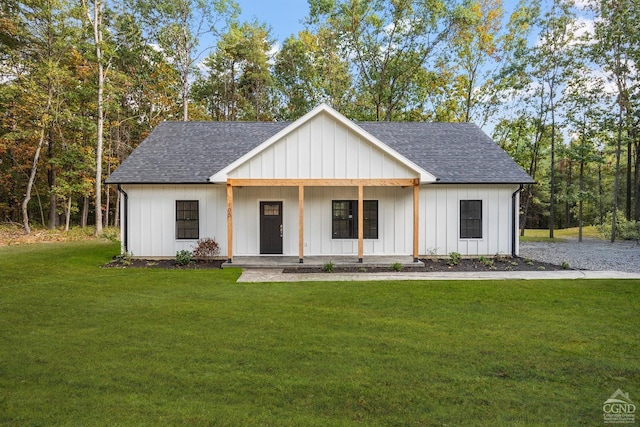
322	185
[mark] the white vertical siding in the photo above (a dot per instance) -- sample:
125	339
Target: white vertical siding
151	219
152	223
322	148
440	219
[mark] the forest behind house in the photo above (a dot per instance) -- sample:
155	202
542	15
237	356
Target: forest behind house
555	83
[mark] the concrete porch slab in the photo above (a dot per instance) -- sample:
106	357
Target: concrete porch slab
315	261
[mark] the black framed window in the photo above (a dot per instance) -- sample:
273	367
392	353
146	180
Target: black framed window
344	215
187	219
471	219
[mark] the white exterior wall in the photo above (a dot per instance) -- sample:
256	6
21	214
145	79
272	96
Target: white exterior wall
151	219
322	148
440	219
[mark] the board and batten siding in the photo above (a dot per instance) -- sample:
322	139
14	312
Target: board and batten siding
440	219
152	223
322	148
152	217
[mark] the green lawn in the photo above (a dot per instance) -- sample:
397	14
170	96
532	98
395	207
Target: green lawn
542	235
80	345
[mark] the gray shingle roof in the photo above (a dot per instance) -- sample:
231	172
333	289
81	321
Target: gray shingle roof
191	152
453	152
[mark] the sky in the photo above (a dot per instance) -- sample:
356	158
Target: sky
284	16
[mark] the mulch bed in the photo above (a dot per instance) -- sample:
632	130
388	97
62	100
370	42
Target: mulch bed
444	265
169	264
430	265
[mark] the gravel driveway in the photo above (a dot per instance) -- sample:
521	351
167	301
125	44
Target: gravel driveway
591	254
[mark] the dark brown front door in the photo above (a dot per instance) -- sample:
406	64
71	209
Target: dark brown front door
270	227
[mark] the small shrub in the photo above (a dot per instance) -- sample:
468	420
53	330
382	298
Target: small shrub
207	249
433	254
184	257
328	267
528	261
454	258
125	259
625	230
112	234
486	261
396	266
565	265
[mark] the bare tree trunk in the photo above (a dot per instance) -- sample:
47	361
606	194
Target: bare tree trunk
567	203
34	166
616	186
628	200
553	175
600	192
106	207
52	178
636	185
581	186
185	97
85	212
116	215
67	215
97	36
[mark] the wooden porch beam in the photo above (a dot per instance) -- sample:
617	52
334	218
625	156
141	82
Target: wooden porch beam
313	182
229	223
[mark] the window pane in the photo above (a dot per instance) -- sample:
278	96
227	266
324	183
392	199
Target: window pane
344	218
370	219
470	219
271	210
187	219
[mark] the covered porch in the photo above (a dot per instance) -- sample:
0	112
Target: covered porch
359	185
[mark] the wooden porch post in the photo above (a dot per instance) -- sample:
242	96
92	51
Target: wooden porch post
229	223
301	223
360	223
416	221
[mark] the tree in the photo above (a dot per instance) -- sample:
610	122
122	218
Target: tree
308	71
239	84
40	79
474	45
178	25
616	47
95	18
389	43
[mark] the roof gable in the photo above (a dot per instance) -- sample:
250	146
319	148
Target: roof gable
322	140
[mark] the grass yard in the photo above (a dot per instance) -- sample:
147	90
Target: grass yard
81	345
559	235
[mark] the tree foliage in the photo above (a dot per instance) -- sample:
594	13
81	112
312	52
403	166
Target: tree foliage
555	82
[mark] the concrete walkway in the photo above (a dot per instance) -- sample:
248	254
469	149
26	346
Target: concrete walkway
252	275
